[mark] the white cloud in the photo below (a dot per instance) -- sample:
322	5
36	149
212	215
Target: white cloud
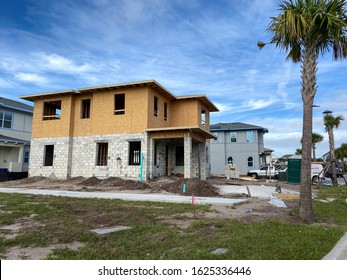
31	77
254	104
55	62
223	107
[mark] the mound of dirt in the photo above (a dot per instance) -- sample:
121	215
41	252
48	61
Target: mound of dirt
124	184
90	182
193	186
116	182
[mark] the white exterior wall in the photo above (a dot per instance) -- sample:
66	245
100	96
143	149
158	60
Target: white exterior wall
222	148
12	154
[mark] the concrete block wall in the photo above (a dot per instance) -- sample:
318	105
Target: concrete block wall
81	154
60	163
188	166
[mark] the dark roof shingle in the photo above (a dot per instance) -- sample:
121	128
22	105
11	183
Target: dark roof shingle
9	103
236	126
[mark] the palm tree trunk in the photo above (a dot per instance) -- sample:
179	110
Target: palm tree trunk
308	91
332	157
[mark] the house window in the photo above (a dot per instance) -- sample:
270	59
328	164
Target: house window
51	110
134	152
250	162
6	119
119	104
179	156
203	117
102	154
233	137
249	137
85	109
155	106
26	157
165	111
49	155
230	160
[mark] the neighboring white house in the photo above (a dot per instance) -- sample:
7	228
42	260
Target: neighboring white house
240	144
15	135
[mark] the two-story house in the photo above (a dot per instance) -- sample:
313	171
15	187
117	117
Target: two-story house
15	135
240	144
133	130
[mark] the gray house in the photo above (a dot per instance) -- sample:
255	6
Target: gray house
240	144
15	135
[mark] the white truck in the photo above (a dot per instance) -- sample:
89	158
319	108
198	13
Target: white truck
263	172
317	171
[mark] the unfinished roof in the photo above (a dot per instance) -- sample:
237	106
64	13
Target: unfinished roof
148	83
236	126
195	129
203	99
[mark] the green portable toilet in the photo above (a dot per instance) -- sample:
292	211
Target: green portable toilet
294	170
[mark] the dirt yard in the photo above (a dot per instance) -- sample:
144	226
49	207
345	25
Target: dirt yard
254	210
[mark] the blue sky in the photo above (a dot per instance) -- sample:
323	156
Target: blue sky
189	47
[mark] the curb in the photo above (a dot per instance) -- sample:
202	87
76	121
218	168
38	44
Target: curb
339	252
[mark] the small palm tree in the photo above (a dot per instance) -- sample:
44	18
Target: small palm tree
330	123
316	138
305	29
298	152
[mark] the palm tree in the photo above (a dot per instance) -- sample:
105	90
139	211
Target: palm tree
305	29
330	123
341	152
316	138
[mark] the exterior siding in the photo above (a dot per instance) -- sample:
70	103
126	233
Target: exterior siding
222	148
12	151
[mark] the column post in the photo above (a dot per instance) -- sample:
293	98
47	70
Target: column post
188	164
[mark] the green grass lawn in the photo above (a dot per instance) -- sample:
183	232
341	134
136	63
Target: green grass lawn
60	220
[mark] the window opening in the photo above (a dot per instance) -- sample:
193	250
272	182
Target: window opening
230	160
203	117
249	136
179	156
165	111
52	110
26	157
49	155
155	106
250	161
102	154
233	137
6	119
119	104
85	110
134	153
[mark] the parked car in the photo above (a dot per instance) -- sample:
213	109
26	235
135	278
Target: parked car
317	171
339	172
263	172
